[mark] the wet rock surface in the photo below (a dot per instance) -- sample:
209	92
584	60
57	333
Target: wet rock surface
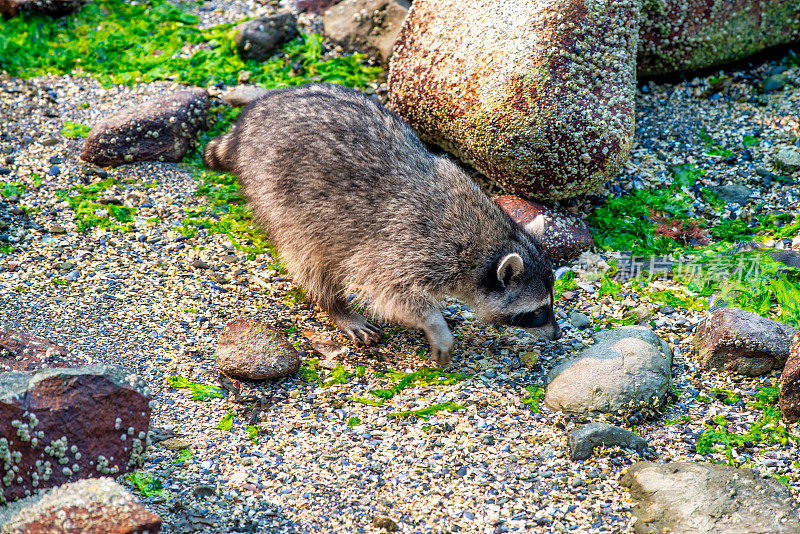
260	38
698	498
564	235
789	399
159	130
93	506
247	349
370	26
62	425
537	96
23	352
694	34
742	341
584	438
627	370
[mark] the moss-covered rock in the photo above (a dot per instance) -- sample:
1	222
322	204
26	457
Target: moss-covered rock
694	34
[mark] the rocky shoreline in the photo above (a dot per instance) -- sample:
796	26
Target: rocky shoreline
299	454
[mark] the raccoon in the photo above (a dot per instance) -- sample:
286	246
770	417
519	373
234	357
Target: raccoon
356	205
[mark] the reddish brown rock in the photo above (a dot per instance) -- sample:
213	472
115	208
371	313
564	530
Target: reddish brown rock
95	506
54	8
538	96
564	236
789	398
694	34
249	350
159	130
23	352
742	342
62	425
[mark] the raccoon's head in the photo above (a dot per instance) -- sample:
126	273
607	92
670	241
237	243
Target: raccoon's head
515	287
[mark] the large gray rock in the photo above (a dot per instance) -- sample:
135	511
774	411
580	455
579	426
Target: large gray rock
260	38
538	96
63	425
247	349
787	159
94	506
694	34
742	342
584	438
54	8
627	370
159	130
370	26
689	498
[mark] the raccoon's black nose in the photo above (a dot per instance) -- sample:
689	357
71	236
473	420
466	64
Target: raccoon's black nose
533	319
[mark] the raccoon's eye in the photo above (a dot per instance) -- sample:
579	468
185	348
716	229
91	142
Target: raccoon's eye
532	319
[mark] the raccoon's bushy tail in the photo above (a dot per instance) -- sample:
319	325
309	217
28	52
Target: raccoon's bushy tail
218	155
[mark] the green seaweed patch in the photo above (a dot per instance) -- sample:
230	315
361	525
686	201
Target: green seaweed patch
226	423
74	129
200	392
766	430
425	376
339	375
353	421
679	421
565	283
427	413
627	222
145	483
11	189
725	395
183	456
535	395
750	140
125	43
253	431
309	371
89	213
714	147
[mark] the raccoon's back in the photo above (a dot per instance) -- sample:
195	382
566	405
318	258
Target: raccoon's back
337	178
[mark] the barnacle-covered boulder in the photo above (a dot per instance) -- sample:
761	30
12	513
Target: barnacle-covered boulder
159	130
693	34
94	506
538	96
66	424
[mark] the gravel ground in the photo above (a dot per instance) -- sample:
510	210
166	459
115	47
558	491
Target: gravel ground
143	300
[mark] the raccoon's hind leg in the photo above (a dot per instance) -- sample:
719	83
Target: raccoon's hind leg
353	324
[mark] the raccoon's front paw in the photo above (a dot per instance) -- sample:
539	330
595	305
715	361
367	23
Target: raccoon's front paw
441	347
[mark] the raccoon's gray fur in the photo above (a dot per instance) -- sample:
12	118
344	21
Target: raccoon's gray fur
356	204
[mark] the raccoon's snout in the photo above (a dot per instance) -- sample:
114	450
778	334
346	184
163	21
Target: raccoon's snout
538	319
534	319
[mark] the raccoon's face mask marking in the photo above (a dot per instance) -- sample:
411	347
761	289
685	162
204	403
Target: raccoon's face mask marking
519	293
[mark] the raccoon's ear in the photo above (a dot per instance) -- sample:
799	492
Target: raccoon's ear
536	226
509	267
